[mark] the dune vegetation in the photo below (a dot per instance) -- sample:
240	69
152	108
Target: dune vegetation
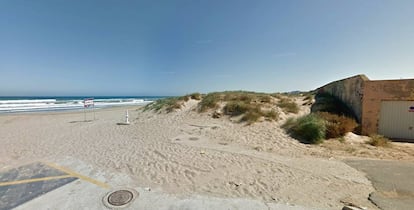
329	118
249	106
309	129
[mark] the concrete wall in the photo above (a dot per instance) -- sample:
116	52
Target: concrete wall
349	91
377	91
364	97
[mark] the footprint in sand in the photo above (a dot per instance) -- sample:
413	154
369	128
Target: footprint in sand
193	138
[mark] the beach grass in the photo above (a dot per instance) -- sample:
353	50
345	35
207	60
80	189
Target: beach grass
250	106
209	101
169	104
195	96
288	105
379	141
309	129
236	108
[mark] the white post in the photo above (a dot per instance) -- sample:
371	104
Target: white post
126	117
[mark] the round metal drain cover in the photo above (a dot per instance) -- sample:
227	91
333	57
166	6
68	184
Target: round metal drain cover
120	198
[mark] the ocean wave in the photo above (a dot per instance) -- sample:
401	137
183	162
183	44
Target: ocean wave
25	101
34	105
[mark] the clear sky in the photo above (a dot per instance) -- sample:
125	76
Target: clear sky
174	47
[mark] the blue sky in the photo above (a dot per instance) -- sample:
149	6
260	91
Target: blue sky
174	47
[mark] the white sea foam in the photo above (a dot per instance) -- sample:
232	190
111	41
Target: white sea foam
25	101
30	105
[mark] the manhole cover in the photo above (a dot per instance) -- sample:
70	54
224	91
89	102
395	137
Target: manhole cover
120	198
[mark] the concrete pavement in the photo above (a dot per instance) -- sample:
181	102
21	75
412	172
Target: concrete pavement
72	184
393	181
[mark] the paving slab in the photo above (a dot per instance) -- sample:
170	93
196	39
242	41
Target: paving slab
30	171
25	183
393	181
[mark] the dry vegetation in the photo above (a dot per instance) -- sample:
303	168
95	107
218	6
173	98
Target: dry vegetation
288	105
172	103
249	106
315	127
379	141
337	125
330	119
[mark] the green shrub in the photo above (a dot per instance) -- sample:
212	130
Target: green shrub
277	95
169	104
251	117
210	101
288	105
337	126
271	115
239	96
235	108
173	106
308	129
379	141
184	98
251	113
247	98
265	99
196	96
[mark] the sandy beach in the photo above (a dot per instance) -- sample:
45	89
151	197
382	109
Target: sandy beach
185	153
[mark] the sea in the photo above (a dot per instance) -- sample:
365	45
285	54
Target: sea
15	104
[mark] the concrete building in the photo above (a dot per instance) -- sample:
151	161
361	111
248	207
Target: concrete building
383	107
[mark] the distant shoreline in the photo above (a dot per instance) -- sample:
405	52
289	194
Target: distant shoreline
70	103
71	111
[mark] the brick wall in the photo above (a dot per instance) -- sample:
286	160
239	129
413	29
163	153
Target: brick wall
381	90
